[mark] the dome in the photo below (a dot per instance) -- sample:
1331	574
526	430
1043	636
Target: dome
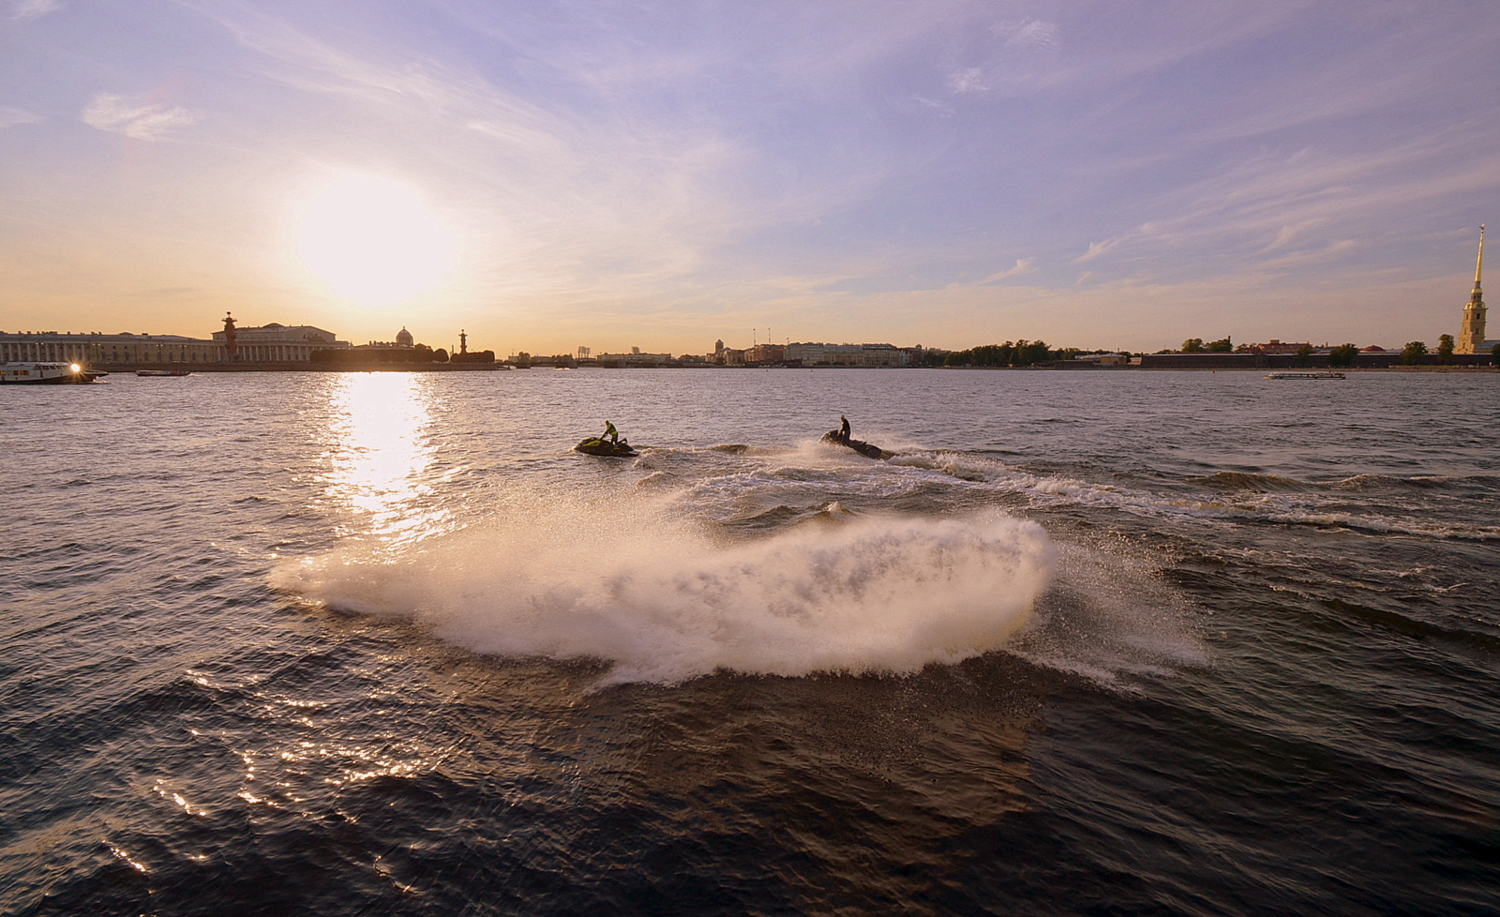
404	338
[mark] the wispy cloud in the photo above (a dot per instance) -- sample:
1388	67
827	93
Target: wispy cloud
1314	256
926	105
10	117
1008	56
1108	245
968	80
1031	33
1023	266
135	118
1287	234
25	10
593	184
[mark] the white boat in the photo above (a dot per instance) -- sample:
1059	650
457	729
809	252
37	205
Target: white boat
46	373
1320	374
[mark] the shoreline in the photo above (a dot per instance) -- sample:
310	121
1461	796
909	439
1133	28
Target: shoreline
128	369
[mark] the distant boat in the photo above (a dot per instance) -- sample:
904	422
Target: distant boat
1320	374
158	373
46	374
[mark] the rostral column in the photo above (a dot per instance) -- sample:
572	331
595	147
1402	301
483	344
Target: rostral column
229	345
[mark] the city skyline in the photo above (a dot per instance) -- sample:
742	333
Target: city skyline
545	176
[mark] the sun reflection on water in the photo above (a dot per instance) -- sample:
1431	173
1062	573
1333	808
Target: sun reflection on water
381	456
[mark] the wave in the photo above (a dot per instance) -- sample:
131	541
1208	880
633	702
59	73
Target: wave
1361	482
1268	498
1241	480
1246	480
1388	525
1404	623
664	602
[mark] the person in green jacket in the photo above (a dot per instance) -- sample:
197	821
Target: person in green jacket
611	432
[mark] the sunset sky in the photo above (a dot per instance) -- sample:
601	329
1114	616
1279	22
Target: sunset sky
547	174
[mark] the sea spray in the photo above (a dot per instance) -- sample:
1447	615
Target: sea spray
664	602
1110	618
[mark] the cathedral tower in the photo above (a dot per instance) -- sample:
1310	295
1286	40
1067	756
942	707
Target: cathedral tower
1471	336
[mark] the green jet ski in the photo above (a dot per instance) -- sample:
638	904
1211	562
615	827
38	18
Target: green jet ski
596	446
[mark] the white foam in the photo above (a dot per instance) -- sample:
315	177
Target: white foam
665	603
1109	617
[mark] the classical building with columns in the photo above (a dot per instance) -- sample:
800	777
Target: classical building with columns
273	343
96	349
277	343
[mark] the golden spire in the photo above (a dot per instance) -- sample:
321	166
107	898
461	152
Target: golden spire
1479	264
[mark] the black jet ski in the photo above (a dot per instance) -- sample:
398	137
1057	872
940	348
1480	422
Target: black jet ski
596	446
870	450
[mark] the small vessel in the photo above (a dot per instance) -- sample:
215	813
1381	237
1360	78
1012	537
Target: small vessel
46	374
596	446
161	373
840	437
1318	374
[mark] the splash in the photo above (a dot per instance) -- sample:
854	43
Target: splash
1111	619
664	602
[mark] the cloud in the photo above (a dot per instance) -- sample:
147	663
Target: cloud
594	201
1032	33
1007	60
10	117
922	105
1314	256
1287	233
968	80
1099	248
26	10
134	118
1023	266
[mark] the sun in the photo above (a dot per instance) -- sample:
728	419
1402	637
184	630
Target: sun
373	240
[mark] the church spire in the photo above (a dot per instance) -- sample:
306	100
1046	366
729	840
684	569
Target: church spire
1479	263
1471	335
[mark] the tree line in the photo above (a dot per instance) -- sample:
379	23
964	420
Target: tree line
1342	355
1011	353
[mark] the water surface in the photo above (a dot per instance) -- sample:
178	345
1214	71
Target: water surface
1120	642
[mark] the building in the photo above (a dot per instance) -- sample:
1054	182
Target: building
1103	359
97	349
278	343
1274	346
635	358
273	343
765	354
1471	334
810	354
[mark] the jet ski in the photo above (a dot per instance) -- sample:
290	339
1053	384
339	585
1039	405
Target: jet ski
869	450
596	446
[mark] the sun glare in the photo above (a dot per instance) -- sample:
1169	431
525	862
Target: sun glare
373	240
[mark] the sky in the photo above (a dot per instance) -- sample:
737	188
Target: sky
550	174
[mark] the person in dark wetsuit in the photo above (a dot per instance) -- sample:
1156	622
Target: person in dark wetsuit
843	429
